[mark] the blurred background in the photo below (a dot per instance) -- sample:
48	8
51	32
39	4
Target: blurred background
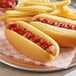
72	5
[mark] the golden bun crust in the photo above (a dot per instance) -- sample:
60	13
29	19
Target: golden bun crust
27	47
64	37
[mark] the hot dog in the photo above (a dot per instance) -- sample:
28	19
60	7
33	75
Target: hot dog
61	29
31	42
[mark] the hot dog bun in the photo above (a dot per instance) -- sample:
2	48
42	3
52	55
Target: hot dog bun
27	47
64	37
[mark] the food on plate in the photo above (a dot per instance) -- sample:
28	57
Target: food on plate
8	3
2	18
31	42
40	1
35	7
18	19
64	12
38	9
13	13
61	29
30	22
30	3
45	3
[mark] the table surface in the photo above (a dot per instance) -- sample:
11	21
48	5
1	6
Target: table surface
8	71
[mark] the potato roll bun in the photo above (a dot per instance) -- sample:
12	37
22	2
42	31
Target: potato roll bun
31	42
61	29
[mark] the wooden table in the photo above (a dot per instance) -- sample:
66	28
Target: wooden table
8	71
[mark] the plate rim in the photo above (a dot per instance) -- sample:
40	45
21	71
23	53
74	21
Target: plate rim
35	70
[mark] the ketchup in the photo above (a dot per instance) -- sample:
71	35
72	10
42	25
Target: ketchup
7	3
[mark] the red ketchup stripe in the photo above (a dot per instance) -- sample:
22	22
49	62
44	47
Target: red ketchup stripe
56	23
29	35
